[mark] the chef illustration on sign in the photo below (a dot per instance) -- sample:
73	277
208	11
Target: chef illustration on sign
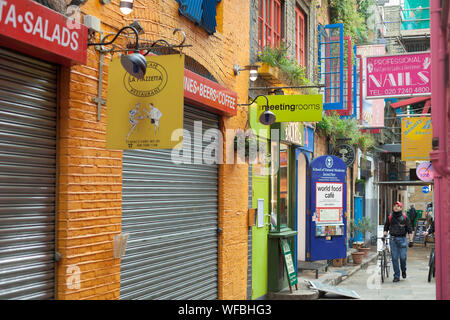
154	115
134	118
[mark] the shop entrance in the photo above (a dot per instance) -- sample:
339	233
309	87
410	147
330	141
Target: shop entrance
28	117
171	213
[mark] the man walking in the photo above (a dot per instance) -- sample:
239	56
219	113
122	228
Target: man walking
398	225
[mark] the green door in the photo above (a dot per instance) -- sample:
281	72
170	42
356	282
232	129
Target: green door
260	190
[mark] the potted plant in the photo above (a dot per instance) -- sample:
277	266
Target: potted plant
352	230
364	226
357	257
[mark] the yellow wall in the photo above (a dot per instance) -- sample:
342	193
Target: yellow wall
90	177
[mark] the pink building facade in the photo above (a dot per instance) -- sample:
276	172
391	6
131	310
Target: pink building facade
440	156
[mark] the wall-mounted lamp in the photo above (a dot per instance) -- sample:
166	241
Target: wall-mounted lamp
126	6
253	71
137	26
267	117
135	63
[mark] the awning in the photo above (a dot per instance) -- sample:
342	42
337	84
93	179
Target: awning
404	183
397	147
407	102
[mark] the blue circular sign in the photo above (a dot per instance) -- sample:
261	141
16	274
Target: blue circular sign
425	189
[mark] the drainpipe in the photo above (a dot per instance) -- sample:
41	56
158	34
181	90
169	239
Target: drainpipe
439	156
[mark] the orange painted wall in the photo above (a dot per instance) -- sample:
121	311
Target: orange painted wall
90	177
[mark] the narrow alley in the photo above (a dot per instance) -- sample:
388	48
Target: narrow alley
366	282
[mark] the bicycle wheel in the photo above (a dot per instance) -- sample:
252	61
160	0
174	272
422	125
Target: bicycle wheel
431	270
434	264
382	266
386	265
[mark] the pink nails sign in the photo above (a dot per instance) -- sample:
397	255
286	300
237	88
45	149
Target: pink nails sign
402	75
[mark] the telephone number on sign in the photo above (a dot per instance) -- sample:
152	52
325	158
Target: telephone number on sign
406	91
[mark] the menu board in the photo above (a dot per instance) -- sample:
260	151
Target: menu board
420	229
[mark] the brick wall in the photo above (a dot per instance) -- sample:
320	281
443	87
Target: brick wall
90	177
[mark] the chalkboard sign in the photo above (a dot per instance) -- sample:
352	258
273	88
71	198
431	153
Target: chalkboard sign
420	229
289	263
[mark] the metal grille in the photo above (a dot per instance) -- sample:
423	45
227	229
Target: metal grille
27	176
171	213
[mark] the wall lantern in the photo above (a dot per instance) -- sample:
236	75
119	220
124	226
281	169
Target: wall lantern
267	117
253	71
135	63
126	6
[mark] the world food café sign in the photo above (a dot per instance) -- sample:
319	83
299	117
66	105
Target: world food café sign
36	30
398	75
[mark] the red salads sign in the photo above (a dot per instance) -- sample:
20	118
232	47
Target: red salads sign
36	30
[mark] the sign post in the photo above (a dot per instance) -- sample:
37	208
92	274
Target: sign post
294	108
328	222
289	263
417	134
402	75
145	113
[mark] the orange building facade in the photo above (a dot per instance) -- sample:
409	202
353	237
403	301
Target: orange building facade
86	206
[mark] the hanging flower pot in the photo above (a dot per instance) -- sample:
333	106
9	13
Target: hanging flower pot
250	144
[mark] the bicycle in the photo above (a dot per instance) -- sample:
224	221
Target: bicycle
384	255
431	265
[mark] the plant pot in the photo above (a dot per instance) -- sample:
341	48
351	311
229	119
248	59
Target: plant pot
357	257
357	245
364	250
338	262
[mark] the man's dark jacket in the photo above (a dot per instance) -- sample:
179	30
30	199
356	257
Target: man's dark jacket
398	226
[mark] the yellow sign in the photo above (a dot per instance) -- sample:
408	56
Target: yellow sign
416	138
143	113
294	108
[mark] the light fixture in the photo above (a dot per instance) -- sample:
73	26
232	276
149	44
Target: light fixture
267	117
135	64
136	24
126	6
253	71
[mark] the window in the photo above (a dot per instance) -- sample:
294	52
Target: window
269	23
201	12
284	185
300	36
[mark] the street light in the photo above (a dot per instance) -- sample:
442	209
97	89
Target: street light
267	117
126	6
253	71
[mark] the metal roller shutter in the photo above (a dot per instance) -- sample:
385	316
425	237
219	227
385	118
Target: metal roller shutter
27	176
171	213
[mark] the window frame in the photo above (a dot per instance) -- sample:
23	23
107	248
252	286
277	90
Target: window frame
270	23
300	36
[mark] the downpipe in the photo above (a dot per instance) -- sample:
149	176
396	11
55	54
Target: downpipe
439	154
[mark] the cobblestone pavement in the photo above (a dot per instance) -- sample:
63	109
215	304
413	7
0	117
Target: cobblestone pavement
366	282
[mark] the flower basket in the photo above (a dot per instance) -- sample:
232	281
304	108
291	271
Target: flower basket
269	73
250	144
